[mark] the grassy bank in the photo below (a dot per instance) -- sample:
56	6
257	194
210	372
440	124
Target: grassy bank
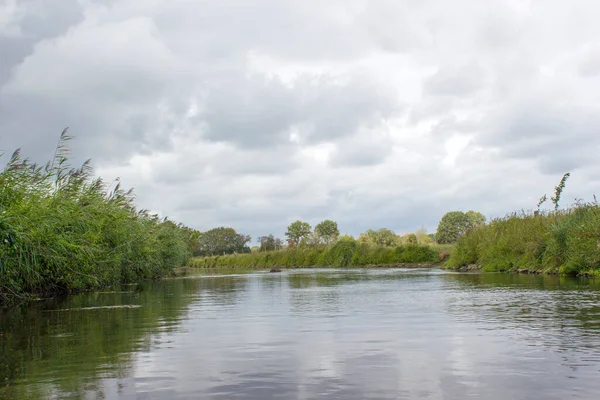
344	253
565	242
62	230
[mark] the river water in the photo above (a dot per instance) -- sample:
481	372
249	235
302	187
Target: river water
308	334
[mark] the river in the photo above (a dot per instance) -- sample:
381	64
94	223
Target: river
308	334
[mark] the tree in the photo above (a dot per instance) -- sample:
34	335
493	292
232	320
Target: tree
382	237
297	230
270	243
223	240
410	239
191	237
476	219
310	240
328	231
422	236
455	224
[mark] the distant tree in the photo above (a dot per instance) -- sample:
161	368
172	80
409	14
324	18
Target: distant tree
327	231
311	240
191	237
382	237
422	236
298	230
476	219
270	243
223	241
411	238
455	224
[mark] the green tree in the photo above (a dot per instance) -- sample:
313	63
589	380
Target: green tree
191	237
476	219
422	236
455	224
270	243
298	230
328	231
411	239
223	241
382	237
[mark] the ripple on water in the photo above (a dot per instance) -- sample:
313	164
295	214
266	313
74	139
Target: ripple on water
304	334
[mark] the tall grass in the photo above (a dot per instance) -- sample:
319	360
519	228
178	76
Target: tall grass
63	230
560	241
344	253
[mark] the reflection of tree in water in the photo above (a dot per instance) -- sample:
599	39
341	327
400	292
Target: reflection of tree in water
557	312
318	290
74	346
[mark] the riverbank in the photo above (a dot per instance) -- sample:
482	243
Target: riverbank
565	242
63	230
344	253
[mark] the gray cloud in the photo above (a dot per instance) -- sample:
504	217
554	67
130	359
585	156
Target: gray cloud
455	81
373	113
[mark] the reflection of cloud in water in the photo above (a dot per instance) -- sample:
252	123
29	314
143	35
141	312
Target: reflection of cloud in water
384	334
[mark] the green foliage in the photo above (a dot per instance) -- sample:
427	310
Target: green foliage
411	238
566	242
346	252
455	224
327	231
270	243
560	241
298	230
61	231
223	241
341	253
559	189
382	237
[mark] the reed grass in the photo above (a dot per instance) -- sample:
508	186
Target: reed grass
64	230
344	253
559	241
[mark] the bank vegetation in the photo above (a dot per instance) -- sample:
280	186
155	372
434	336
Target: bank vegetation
64	230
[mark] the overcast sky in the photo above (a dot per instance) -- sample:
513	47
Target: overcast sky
252	114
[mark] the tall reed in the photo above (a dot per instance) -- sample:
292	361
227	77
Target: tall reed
61	229
558	241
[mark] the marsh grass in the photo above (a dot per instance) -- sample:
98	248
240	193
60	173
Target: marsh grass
63	230
558	241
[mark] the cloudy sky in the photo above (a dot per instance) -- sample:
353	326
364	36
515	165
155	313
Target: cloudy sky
251	114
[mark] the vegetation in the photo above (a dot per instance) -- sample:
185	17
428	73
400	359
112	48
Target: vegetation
345	252
382	237
223	241
270	243
297	231
62	230
455	224
327	231
557	241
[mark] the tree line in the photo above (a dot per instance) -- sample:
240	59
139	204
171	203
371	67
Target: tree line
223	241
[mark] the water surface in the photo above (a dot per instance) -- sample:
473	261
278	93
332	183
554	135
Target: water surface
307	334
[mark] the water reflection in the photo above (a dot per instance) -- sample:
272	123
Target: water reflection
303	334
